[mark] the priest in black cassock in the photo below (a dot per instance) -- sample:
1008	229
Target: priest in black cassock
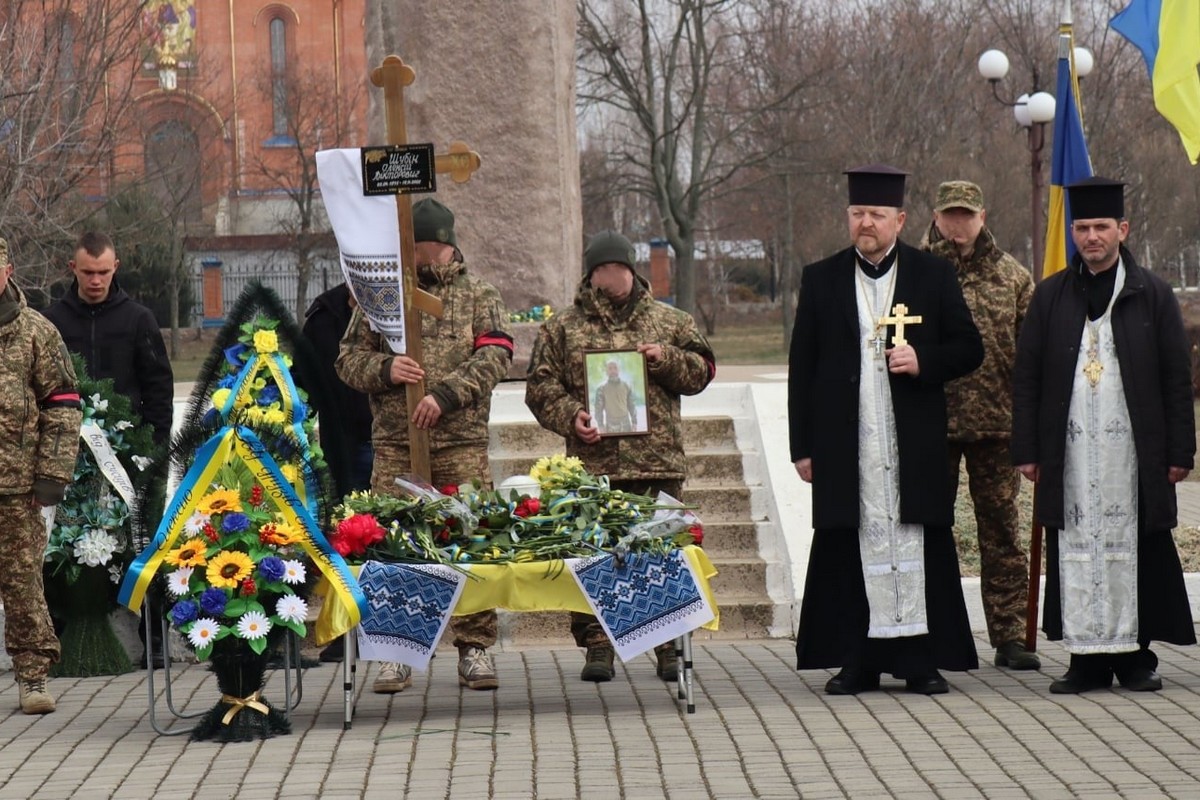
1103	422
880	328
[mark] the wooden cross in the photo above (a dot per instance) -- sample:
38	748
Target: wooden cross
899	318
393	75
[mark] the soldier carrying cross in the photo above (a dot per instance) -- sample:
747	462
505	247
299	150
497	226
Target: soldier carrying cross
433	396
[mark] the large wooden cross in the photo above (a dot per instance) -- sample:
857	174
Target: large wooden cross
392	76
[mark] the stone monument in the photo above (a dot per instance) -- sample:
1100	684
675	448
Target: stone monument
502	77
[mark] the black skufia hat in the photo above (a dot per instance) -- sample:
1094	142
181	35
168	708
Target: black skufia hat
876	185
1097	198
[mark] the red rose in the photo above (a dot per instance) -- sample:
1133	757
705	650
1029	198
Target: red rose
442	536
449	489
248	587
697	532
528	507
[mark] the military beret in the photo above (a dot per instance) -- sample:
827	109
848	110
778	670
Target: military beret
433	222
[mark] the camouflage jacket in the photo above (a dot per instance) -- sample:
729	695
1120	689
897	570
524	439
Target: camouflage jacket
997	289
39	402
556	384
466	353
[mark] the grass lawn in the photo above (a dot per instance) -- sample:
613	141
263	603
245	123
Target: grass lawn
754	343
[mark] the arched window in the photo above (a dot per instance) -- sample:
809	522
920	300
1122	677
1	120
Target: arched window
279	76
172	162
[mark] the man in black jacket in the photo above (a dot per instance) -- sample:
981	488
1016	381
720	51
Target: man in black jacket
881	327
117	336
1103	422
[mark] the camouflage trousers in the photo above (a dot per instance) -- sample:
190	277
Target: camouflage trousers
449	465
1004	566
28	632
586	629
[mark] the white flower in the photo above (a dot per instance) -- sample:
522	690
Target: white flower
204	632
141	462
177	581
195	523
95	547
122	425
293	572
99	403
253	625
291	608
114	573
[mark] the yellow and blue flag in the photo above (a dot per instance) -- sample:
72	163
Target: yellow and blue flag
1168	34
1070	161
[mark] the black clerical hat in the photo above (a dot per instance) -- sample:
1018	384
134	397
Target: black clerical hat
1097	198
876	185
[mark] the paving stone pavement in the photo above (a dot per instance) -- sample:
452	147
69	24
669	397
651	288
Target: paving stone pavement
760	730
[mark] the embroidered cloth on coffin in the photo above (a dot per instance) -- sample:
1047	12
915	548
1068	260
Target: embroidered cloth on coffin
646	601
409	606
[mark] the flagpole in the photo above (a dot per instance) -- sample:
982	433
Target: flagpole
1037	532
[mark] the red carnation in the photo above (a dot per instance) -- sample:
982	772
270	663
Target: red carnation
697	532
355	534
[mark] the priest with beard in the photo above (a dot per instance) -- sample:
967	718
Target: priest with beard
880	328
1103	423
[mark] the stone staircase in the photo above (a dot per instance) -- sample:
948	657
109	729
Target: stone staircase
716	486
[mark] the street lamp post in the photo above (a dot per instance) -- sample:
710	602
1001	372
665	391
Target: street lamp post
1032	111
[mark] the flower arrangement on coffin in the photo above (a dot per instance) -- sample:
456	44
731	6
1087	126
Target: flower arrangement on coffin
90	539
575	514
241	532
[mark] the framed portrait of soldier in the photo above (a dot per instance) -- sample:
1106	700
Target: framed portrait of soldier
616	391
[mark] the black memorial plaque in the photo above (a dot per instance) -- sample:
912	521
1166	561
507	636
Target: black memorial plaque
398	169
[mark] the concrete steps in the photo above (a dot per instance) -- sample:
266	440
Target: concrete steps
716	486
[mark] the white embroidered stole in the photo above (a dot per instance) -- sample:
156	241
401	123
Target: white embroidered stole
1097	550
893	555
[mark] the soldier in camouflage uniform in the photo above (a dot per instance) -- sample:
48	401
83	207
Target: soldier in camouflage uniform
466	353
997	289
614	310
40	415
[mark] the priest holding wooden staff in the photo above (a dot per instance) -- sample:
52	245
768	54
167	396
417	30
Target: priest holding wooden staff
880	328
1103	423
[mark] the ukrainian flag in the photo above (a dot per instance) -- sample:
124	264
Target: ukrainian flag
1070	162
1168	34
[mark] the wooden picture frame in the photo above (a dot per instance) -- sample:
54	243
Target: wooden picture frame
616	382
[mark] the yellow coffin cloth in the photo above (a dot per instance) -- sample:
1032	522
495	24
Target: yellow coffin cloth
525	586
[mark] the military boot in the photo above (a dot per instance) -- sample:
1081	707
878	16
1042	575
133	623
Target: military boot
35	697
598	667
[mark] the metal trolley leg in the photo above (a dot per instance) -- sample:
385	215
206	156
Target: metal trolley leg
683	683
349	670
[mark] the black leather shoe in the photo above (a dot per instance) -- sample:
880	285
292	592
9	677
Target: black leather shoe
1143	679
1076	682
930	684
1014	656
850	681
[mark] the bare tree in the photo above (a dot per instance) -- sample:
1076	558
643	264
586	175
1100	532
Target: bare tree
310	114
652	70
66	75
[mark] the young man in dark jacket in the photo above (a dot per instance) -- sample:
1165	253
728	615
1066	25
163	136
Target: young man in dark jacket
117	336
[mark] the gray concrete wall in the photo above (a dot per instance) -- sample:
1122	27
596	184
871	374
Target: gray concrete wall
500	77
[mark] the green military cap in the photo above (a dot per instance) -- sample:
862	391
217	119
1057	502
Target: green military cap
433	222
959	194
608	247
4	262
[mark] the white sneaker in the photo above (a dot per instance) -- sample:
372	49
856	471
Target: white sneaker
475	669
392	678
